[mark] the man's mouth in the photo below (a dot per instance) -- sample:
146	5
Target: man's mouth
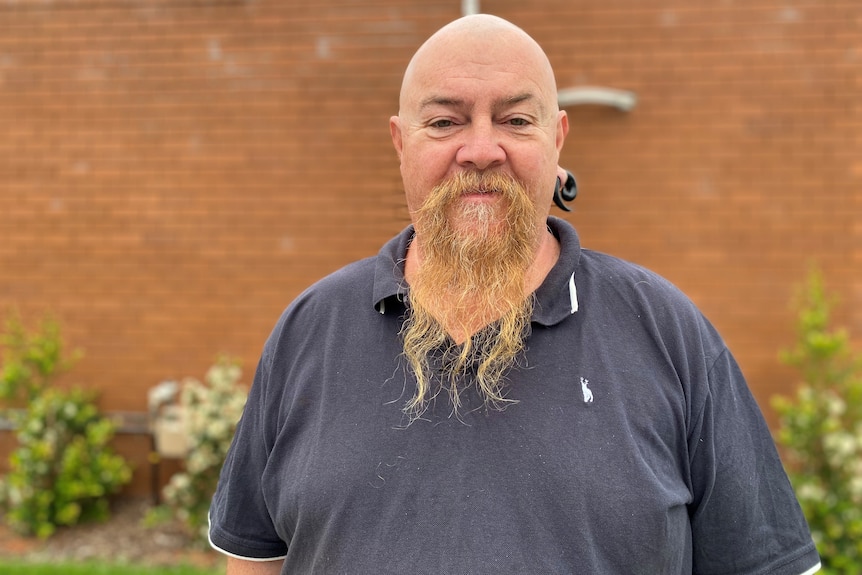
480	192
480	195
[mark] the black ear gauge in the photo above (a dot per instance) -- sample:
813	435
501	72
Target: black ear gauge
565	192
570	189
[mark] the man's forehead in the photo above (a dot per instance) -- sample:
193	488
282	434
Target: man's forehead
454	64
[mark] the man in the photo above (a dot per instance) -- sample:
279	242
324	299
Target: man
485	396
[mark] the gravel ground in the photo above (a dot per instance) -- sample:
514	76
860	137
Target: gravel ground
123	538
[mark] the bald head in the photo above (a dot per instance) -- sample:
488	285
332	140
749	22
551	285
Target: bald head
471	42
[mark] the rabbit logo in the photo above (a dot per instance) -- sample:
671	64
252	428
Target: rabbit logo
588	393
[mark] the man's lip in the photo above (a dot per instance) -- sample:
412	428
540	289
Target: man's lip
481	196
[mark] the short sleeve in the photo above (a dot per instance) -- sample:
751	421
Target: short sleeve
745	516
240	522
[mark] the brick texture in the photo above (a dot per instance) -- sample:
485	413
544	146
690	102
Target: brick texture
172	174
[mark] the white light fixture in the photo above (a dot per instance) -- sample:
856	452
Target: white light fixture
469	7
619	99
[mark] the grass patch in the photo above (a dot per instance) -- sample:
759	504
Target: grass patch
26	568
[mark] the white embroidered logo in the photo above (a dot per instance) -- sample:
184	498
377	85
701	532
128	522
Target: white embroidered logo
588	394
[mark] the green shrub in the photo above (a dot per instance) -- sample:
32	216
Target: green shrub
62	471
212	411
821	432
31	360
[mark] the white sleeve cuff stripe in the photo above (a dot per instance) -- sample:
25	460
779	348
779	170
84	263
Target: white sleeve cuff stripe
814	569
234	555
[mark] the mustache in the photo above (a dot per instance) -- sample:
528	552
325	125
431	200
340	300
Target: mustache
476	182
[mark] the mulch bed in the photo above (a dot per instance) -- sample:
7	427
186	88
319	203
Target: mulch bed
122	539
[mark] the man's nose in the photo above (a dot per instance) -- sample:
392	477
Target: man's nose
482	147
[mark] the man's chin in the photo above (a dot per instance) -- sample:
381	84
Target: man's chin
479	219
476	232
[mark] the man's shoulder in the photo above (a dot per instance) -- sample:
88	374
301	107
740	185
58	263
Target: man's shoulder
621	284
372	277
343	296
348	276
608	269
344	284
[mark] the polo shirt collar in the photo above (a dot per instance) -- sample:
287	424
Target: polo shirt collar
556	298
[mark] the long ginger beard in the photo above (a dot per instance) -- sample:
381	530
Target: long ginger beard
467	304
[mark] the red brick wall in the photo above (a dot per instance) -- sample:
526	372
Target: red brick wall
173	174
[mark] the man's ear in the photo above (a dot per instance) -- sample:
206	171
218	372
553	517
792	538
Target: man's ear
395	132
562	129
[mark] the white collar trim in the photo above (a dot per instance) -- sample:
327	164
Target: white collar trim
573	293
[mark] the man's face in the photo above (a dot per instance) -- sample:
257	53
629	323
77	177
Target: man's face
479	102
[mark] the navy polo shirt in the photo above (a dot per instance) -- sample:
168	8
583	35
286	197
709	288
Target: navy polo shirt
634	445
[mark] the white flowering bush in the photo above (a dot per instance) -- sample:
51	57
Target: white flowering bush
211	412
821	432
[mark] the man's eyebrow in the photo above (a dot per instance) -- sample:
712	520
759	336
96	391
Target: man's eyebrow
440	101
523	97
518	98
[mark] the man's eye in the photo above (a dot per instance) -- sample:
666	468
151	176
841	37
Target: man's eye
442	124
519	122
